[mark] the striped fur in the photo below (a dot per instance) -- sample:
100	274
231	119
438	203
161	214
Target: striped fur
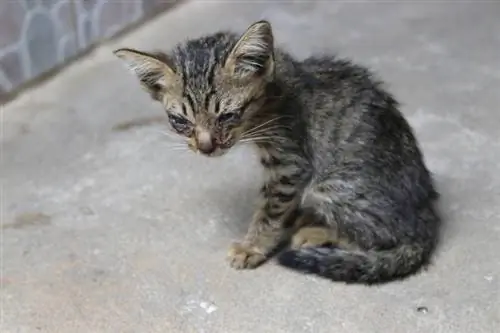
345	175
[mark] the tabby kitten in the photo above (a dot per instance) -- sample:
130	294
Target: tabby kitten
345	176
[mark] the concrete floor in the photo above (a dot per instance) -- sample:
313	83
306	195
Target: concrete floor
105	228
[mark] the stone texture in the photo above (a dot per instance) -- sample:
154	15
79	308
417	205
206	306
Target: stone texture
11	65
74	26
41	43
11	22
29	3
83	15
114	16
65	17
68	47
49	3
86	33
154	6
101	19
132	10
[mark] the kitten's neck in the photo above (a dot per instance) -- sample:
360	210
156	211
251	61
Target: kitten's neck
278	121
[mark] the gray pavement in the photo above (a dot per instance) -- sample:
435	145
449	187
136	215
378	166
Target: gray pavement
106	228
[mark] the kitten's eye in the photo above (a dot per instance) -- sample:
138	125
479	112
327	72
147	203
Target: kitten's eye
157	87
228	116
178	121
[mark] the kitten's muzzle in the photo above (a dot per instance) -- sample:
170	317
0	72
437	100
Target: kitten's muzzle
206	143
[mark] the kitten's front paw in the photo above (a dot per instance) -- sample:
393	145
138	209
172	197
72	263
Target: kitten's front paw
243	256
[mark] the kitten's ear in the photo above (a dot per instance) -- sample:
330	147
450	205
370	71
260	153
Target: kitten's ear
154	74
252	55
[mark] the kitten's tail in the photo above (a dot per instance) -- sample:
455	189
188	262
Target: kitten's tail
368	267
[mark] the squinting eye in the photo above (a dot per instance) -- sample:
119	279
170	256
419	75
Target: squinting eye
178	121
228	116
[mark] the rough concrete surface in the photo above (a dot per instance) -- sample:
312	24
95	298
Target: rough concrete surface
107	228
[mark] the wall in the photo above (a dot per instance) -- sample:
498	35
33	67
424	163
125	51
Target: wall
38	35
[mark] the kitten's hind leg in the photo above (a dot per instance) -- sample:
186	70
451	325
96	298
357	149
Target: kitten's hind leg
313	232
313	236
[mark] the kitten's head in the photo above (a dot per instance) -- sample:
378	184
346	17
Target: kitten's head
209	86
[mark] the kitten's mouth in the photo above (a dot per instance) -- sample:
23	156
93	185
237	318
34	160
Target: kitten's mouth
213	151
216	152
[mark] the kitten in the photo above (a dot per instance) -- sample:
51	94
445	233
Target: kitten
345	176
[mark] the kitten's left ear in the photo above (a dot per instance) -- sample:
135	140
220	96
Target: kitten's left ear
154	74
252	55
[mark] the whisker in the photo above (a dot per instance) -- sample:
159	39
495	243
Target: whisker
263	131
174	145
266	129
262	134
180	149
263	124
171	135
261	138
257	142
178	146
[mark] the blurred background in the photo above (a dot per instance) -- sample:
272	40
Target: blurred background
37	36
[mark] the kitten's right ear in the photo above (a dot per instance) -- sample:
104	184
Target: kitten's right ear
253	53
155	75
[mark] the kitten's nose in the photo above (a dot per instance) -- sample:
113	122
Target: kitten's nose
206	147
206	143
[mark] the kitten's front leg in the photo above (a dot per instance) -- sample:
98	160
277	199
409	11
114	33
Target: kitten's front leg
267	228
